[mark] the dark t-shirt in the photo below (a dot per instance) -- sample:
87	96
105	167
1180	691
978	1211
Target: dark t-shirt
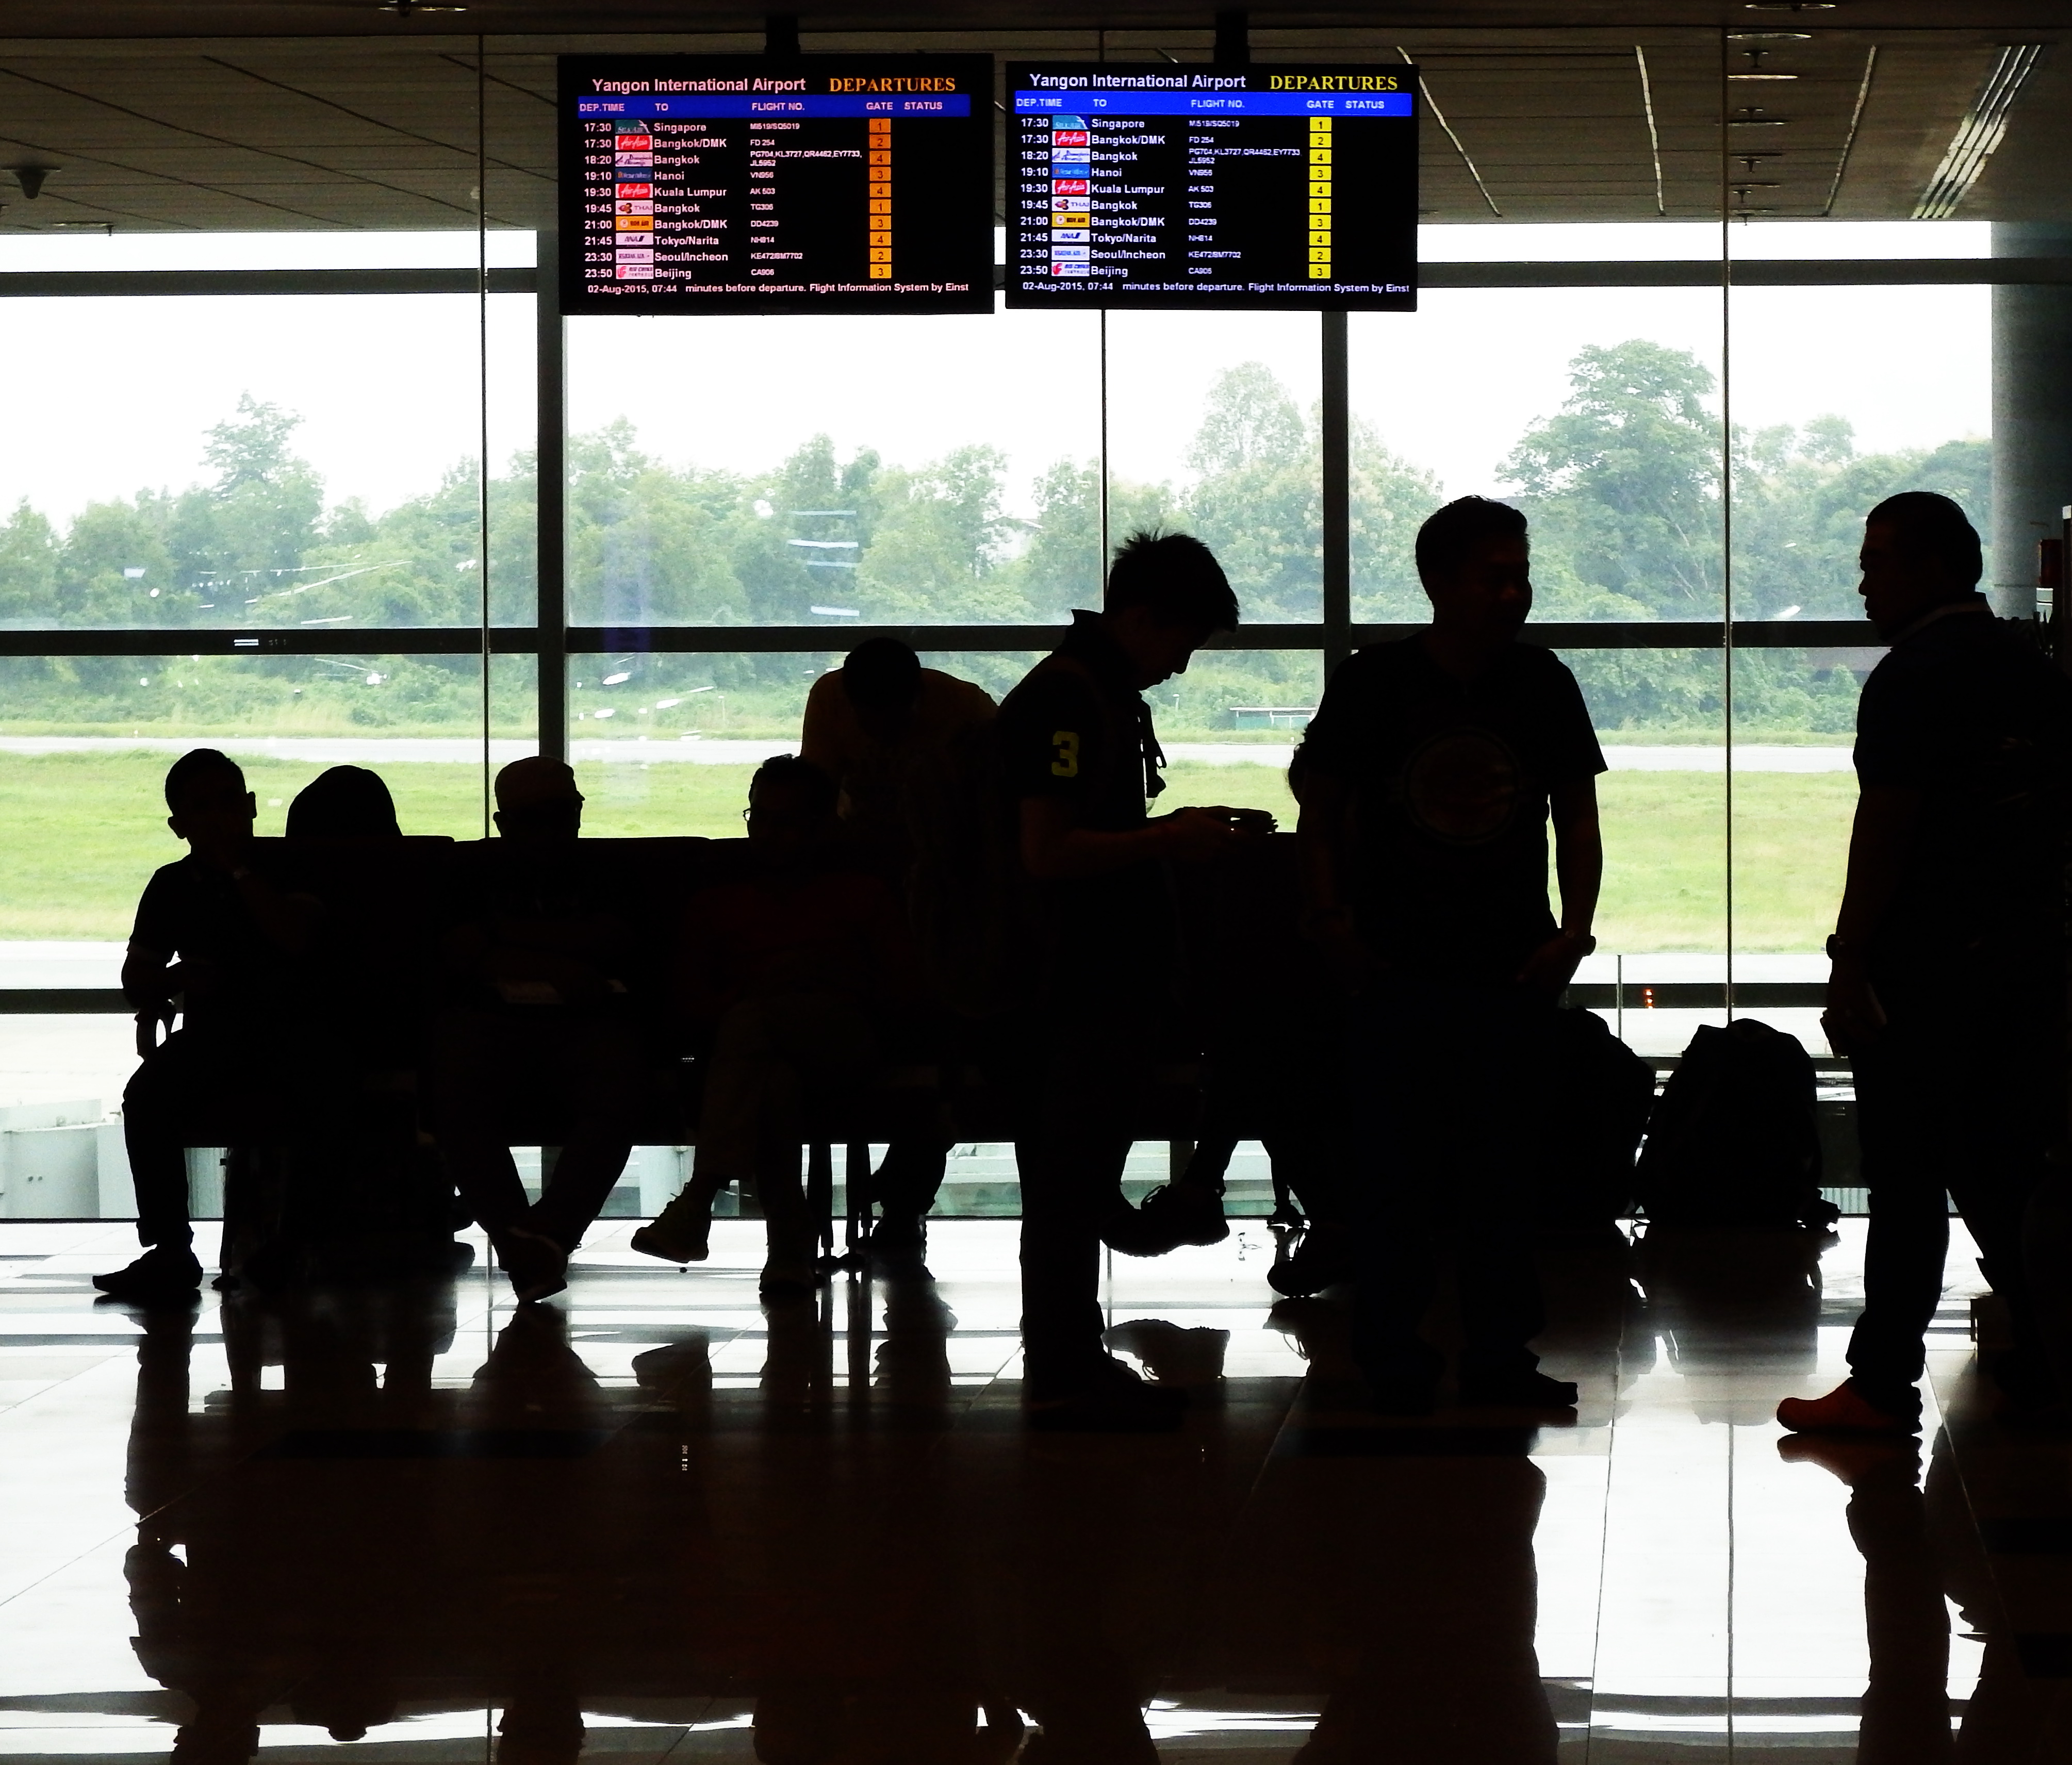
1077	729
1450	780
193	911
1969	714
574	898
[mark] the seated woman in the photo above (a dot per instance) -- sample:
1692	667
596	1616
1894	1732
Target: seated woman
791	975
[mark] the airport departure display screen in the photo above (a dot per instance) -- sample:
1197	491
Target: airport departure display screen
743	183
1283	186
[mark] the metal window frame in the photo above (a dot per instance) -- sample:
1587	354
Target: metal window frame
553	641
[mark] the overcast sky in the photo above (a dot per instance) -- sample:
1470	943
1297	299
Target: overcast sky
109	395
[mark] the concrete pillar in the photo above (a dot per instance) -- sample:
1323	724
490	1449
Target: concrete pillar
2032	413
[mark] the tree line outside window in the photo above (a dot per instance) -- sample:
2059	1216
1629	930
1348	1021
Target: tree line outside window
1623	485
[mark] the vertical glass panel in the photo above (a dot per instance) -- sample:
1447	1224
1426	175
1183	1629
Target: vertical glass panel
893	471
294	461
1212	428
1594	409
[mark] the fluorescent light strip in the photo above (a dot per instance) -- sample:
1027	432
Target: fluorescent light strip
1855	123
1654	136
1439	117
1982	129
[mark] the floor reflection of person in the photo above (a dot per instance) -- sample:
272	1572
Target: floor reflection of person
1437	1615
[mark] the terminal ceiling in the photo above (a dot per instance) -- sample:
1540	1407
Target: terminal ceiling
261	116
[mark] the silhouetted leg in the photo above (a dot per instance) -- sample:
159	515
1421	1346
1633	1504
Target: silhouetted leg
1501	1309
1071	1175
473	1053
2003	1101
1396	1197
1904	1134
601	1059
907	1182
157	1104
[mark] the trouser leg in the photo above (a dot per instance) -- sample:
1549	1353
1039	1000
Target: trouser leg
1501	1309
154	1122
1395	1202
1906	1153
602	1062
910	1177
1072	1176
473	1056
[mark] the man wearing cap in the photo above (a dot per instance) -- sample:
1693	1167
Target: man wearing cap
535	948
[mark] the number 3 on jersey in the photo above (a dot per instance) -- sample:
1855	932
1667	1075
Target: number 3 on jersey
1065	743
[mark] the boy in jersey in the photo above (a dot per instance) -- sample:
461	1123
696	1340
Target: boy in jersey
1430	773
215	940
1081	760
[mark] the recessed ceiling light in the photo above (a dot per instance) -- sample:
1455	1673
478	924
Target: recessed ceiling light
1762	77
1770	36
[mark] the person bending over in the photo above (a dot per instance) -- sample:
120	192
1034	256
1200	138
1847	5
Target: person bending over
910	747
536	948
1948	979
1080	759
1430	773
789	977
217	942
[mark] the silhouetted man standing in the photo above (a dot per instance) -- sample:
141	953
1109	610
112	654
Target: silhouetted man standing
1949	962
1428	779
1080	760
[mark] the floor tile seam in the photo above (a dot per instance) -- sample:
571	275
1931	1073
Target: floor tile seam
1604	1550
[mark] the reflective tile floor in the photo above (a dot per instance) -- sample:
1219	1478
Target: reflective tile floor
654	1521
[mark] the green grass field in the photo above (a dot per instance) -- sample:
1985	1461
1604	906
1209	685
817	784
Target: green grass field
85	830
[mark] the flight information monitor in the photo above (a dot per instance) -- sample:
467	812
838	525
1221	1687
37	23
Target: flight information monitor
740	184
1173	185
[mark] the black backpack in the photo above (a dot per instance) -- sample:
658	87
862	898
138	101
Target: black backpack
1597	1108
1733	1140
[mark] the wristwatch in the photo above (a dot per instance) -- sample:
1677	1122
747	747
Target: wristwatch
1586	940
1837	947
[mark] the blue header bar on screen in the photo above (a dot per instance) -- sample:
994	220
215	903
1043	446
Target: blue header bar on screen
1220	104
805	105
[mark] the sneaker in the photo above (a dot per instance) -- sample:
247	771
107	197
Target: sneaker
1530	1389
1845	1411
1177	1214
679	1234
783	1280
897	1249
1107	1398
165	1275
1322	1259
538	1267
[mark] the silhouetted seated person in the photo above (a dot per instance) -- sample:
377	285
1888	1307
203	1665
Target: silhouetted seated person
787	976
1948	982
1080	760
343	803
537	950
1430	773
217	942
910	748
